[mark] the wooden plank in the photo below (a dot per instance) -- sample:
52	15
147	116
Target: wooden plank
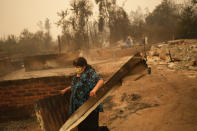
130	68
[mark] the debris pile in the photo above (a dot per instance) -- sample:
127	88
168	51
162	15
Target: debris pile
178	54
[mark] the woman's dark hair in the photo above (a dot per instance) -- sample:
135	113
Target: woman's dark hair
80	61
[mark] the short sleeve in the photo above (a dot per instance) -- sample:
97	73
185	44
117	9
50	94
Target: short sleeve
93	78
96	77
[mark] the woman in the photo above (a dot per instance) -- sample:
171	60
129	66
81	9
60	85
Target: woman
85	83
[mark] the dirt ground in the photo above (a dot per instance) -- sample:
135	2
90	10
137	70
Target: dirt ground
21	125
166	100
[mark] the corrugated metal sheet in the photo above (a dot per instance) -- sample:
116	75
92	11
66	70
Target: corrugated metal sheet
52	112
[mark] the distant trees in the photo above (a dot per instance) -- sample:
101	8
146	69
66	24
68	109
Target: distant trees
28	43
34	43
81	29
113	17
77	28
187	21
9	45
74	23
137	19
161	23
166	22
119	24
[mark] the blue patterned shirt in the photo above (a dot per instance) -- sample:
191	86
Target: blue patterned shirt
81	87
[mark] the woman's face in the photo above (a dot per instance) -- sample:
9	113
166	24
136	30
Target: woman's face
79	69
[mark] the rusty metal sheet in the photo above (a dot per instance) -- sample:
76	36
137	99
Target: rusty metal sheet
52	112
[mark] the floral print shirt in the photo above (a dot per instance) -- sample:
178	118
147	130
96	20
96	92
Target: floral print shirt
81	87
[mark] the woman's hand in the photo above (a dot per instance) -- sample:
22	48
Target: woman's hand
99	84
93	93
65	90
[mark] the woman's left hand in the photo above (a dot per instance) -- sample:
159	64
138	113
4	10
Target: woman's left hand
93	93
96	88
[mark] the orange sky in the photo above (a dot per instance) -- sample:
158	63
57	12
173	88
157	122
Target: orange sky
15	15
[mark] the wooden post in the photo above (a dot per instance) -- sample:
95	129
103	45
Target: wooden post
59	44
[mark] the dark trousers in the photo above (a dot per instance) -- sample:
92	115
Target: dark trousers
90	123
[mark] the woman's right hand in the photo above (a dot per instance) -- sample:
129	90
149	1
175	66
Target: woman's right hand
62	92
65	90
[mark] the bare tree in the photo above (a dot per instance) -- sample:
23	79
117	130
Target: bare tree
74	22
115	18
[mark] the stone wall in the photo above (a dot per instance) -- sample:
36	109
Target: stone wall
7	66
50	61
178	54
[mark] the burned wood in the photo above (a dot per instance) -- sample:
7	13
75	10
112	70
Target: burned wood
171	60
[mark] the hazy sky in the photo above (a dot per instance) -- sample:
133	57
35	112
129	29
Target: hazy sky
15	15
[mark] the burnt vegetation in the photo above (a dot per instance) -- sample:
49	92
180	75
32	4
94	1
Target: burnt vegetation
82	29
